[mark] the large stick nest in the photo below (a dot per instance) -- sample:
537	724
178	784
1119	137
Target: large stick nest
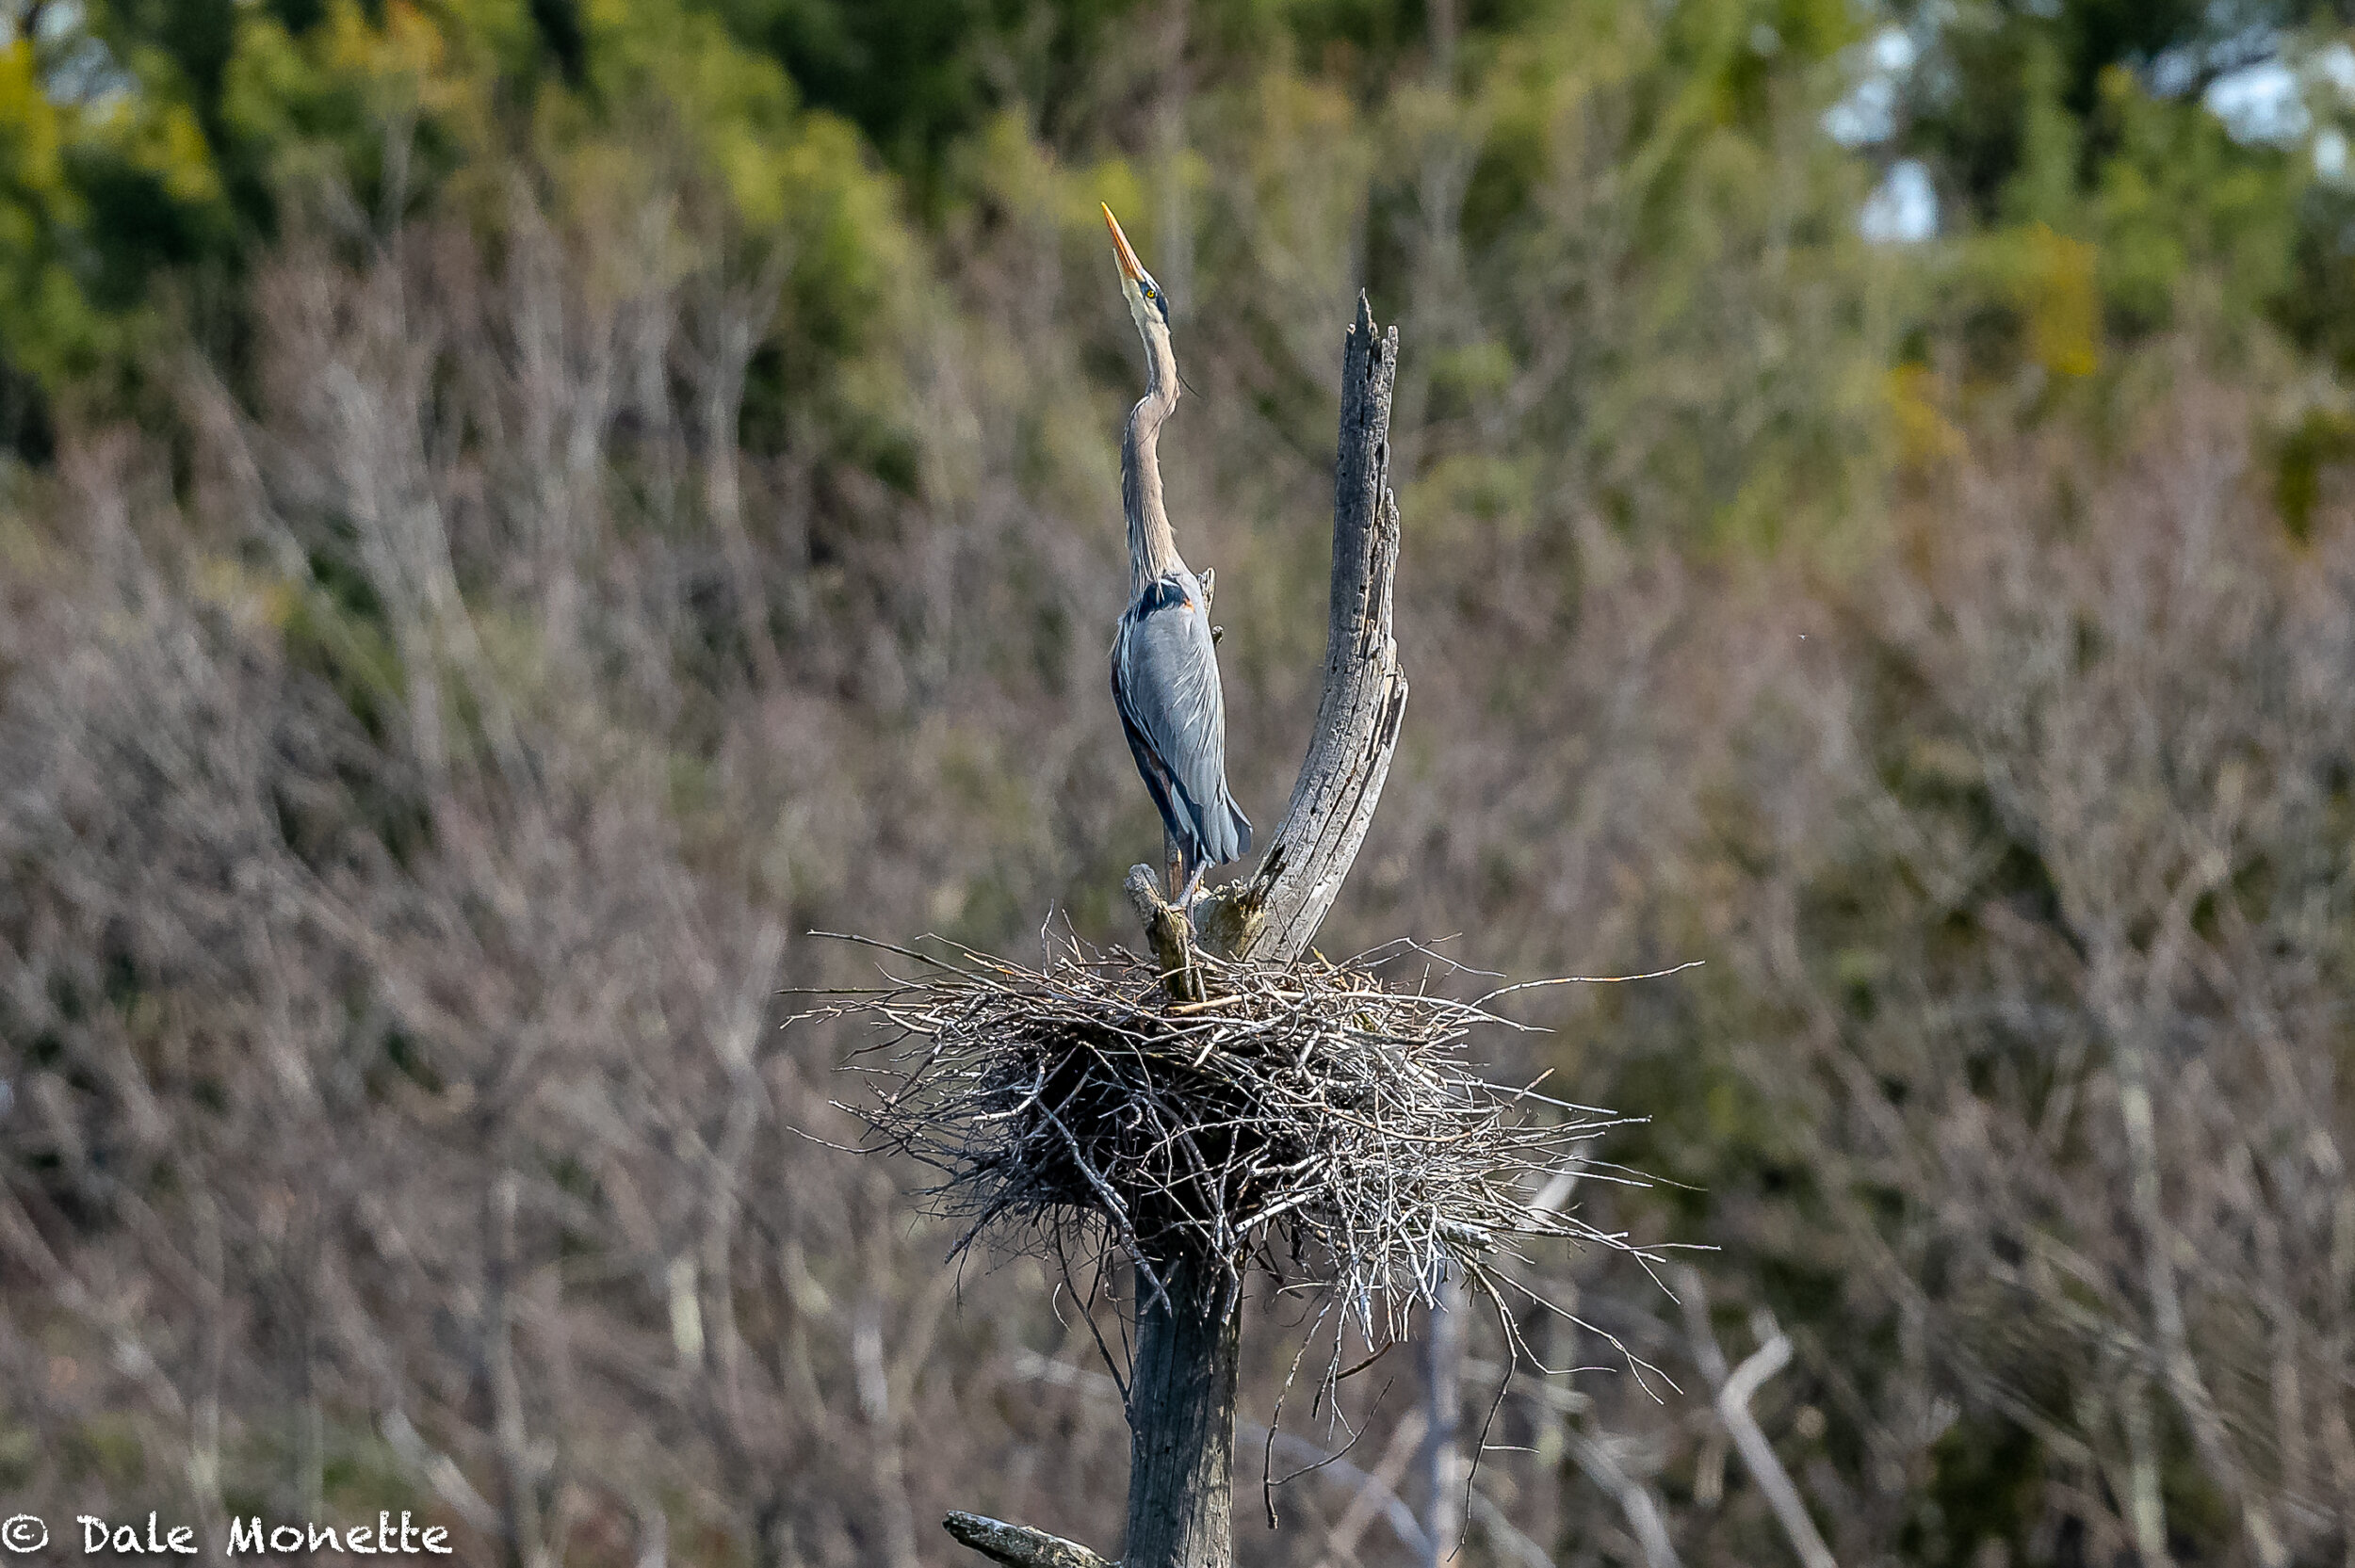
1311	1115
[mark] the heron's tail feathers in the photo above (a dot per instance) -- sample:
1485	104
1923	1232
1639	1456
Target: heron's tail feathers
1225	833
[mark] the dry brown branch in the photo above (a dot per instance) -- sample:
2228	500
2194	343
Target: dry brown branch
1315	1114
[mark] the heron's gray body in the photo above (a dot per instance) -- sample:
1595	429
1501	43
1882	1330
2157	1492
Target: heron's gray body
1165	684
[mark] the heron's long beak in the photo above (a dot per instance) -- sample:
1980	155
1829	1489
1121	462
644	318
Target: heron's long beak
1131	268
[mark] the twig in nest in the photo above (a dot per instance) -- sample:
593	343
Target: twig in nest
1309	1120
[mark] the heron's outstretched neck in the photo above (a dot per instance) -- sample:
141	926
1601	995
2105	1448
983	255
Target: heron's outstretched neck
1152	547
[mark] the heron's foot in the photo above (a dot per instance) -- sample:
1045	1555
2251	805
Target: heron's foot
1191	893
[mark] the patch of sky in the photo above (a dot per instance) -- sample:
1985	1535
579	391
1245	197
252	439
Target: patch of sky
2274	102
1867	114
2259	103
2330	153
76	67
1903	208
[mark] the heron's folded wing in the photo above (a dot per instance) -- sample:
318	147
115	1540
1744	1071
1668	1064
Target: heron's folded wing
1170	693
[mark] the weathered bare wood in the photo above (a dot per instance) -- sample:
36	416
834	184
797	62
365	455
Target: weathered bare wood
1167	933
1275	916
1020	1546
1181	1418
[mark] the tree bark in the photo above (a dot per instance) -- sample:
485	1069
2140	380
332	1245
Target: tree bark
1181	1418
1020	1546
1167	936
1275	916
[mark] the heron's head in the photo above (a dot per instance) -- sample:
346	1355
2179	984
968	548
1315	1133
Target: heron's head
1147	302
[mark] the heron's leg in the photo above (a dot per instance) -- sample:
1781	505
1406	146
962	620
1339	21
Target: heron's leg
1192	891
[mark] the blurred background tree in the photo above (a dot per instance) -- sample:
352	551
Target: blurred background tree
518	509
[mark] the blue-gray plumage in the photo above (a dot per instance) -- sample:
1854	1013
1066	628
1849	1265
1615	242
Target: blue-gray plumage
1166	683
1164	666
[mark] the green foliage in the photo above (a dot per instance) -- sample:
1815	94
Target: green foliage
2084	121
382	116
917	77
2177	198
148	142
96	196
2003	75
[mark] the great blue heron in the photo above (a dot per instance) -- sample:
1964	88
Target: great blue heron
1165	667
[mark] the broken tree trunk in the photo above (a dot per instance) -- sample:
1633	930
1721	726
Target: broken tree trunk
1182	1417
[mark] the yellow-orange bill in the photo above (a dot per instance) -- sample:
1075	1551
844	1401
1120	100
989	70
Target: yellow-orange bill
1131	268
